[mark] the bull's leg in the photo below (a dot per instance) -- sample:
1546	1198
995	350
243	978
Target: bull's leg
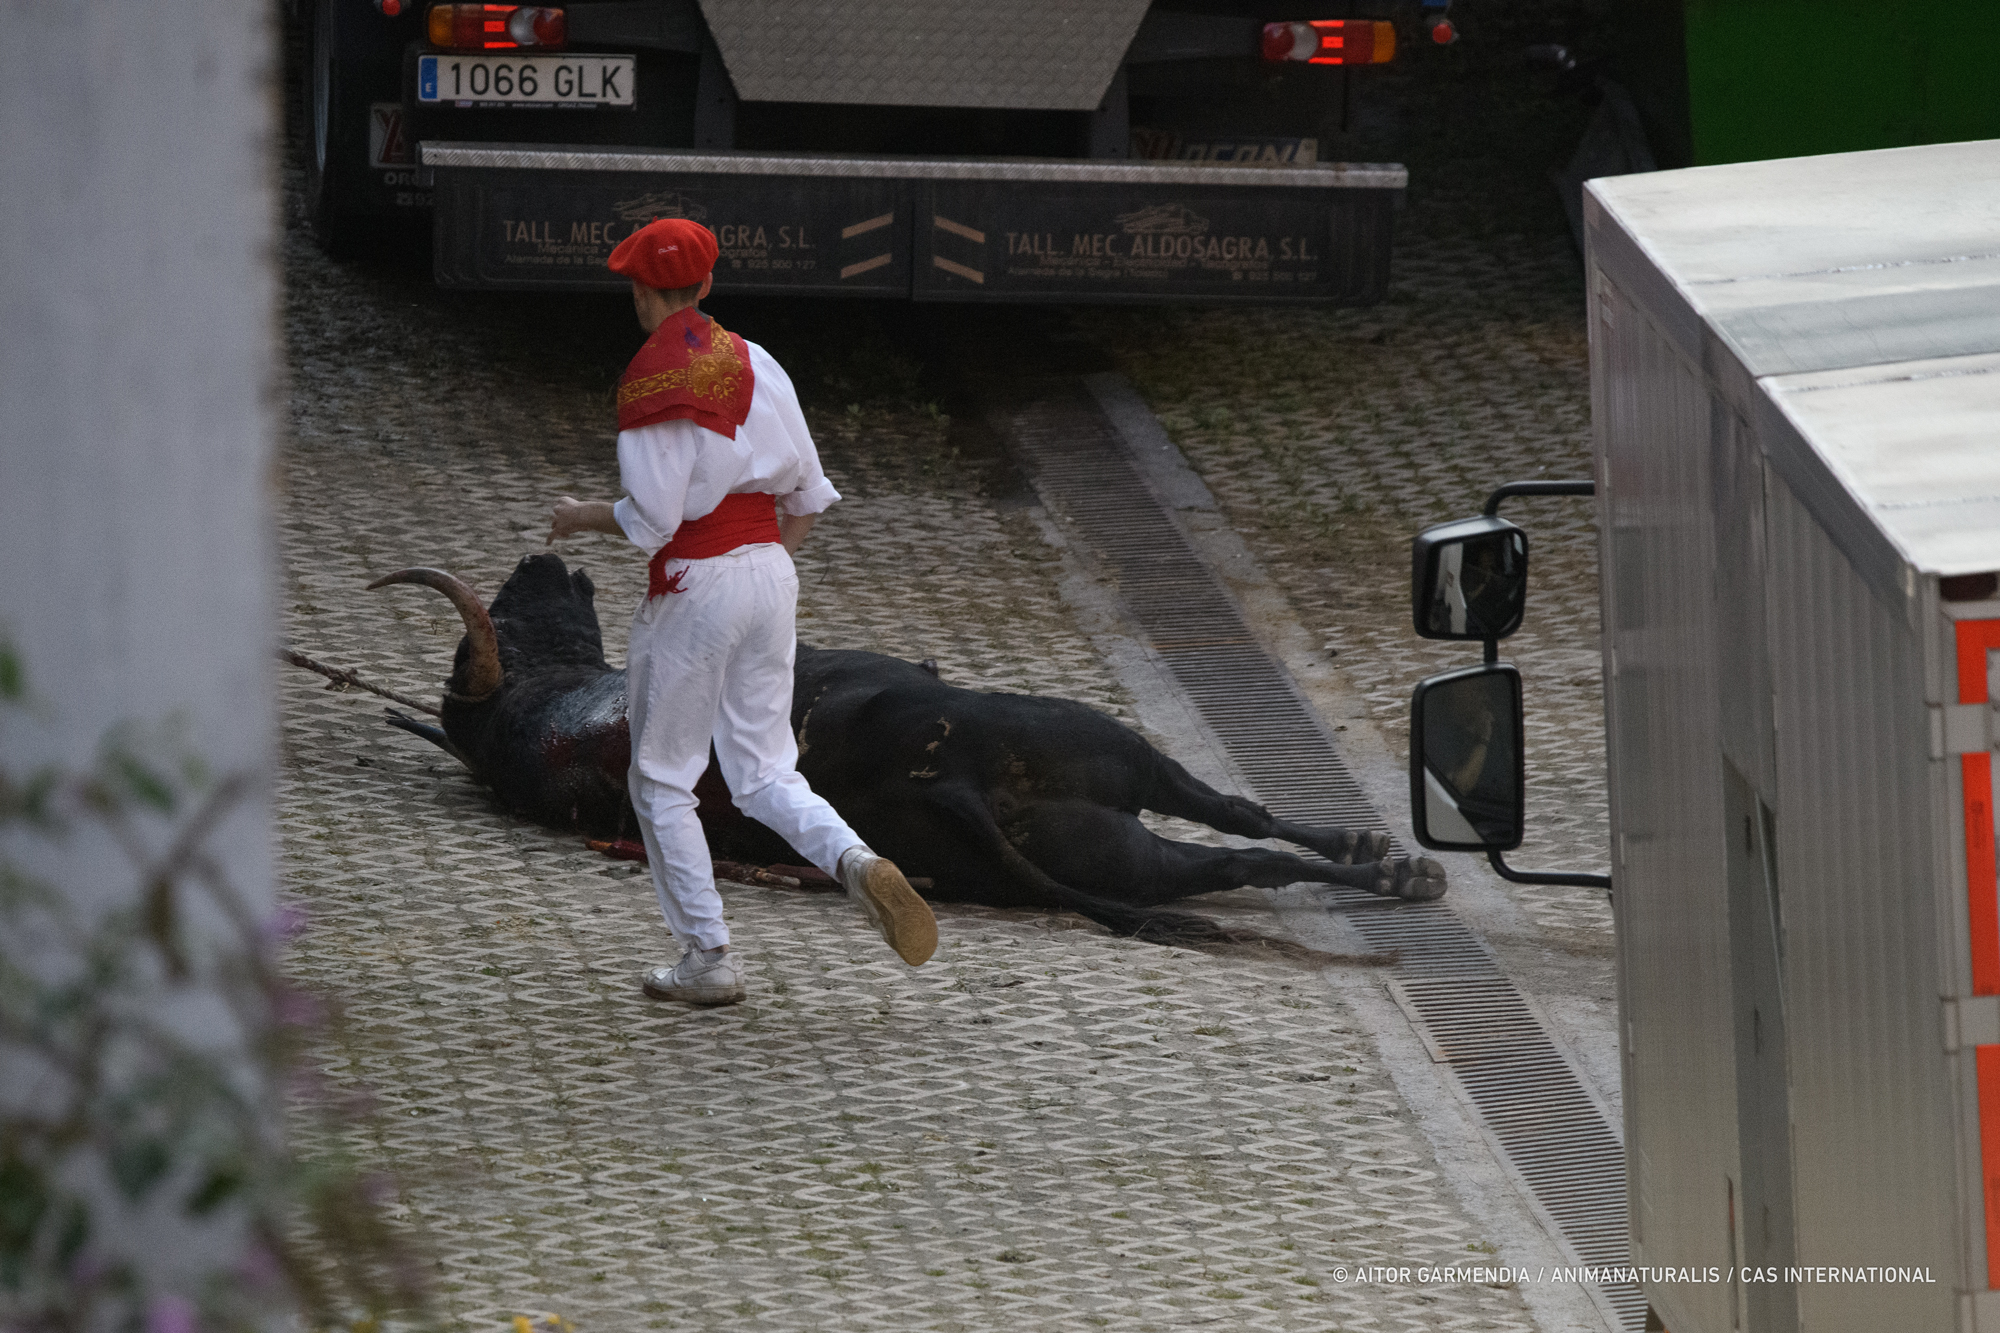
1179	793
1109	853
1262	868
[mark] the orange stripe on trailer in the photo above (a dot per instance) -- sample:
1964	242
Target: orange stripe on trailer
1987	1059
1982	886
1975	639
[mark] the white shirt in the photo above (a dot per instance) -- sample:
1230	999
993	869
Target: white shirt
673	471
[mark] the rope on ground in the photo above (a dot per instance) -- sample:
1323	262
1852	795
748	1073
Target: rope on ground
340	677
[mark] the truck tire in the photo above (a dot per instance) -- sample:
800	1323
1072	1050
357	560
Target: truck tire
336	137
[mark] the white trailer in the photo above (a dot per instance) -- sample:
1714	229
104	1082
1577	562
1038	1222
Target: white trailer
1795	377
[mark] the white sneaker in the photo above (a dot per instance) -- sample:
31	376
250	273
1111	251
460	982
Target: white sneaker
702	976
889	903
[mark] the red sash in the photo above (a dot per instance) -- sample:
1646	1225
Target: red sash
690	368
744	519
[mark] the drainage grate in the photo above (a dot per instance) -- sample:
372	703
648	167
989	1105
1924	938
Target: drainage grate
1548	1130
1277	740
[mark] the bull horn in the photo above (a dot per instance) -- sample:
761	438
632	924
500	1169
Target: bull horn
482	667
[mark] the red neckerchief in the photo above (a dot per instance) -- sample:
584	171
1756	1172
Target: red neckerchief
690	368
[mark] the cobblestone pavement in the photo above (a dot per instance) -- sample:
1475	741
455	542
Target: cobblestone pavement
1331	436
1046	1128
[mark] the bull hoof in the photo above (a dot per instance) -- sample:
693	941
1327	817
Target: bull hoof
1414	881
1360	847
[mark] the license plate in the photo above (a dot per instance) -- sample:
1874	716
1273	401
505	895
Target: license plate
545	81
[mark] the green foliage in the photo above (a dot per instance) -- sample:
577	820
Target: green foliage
147	1032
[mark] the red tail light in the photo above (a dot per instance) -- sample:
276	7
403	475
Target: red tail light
1331	41
496	27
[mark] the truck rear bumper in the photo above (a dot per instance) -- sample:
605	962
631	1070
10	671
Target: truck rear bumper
945	229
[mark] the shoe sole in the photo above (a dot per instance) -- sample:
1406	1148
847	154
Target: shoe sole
694	994
904	917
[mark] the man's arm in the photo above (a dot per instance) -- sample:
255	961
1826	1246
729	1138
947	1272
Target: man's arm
573	516
792	530
813	492
655	466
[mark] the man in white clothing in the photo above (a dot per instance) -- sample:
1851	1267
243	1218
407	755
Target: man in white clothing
722	484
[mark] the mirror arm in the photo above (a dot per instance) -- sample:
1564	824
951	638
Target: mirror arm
1537	488
1499	863
1571	878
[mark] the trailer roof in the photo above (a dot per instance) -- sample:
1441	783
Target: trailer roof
1849	306
1053	55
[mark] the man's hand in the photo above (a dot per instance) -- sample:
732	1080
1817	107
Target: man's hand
573	516
792	530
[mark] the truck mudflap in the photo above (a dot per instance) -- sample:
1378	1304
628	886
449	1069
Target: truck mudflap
537	218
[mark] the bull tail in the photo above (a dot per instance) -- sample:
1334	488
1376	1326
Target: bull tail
434	735
1186	930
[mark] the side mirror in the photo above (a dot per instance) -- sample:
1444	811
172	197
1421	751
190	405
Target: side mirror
1468	780
1469	579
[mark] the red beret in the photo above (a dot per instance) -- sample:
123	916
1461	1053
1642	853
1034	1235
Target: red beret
666	253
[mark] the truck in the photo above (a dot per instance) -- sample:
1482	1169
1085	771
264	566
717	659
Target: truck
1795	380
1016	150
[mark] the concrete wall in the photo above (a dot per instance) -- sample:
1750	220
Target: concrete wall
137	373
138	368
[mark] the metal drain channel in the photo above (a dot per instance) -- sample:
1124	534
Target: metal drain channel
1547	1129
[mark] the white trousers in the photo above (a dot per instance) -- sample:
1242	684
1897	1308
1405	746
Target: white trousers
713	662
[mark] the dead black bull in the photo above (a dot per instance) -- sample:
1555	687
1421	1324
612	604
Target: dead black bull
1003	799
